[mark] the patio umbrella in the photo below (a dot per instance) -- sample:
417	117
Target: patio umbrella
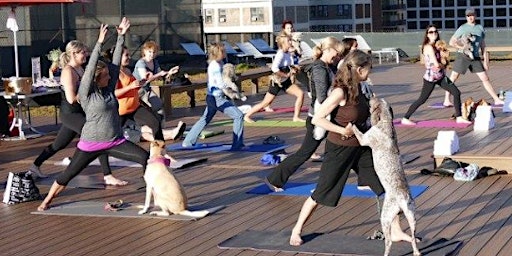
13	25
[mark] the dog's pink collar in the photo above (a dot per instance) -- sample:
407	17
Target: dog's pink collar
160	159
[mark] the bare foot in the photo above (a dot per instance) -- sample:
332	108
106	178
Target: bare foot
268	109
447	104
499	102
248	119
295	239
113	181
42	207
272	187
298	119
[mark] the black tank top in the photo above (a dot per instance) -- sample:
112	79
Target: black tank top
65	106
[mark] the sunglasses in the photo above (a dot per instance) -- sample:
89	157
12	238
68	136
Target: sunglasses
432	32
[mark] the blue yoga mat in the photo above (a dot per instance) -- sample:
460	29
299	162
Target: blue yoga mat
217	147
306	189
198	146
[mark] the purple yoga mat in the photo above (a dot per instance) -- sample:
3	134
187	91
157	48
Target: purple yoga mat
440	105
433	123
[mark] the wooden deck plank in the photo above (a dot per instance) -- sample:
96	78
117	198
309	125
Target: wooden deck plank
478	212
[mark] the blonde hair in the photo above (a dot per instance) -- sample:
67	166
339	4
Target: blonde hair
326	43
149	45
215	52
281	39
346	75
71	47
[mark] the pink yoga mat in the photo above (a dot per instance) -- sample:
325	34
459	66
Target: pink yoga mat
440	105
432	123
286	110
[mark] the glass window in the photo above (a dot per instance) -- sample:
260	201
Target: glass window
424	4
437	13
257	14
489	23
411	14
222	15
345	11
367	11
208	15
302	14
312	12
474	3
436	3
501	12
449	13
412	25
461	13
411	3
449	3
424	24
449	23
462	2
488	12
424	14
501	23
501	2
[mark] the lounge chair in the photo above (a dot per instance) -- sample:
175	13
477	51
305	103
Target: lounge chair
193	49
249	49
262	46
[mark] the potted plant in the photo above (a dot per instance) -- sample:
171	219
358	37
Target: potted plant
54	56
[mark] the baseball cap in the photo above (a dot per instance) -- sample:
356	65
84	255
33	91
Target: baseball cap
470	11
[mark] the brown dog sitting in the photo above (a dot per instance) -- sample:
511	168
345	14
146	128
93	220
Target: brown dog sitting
168	193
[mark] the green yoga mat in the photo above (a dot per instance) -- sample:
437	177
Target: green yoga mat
207	134
263	123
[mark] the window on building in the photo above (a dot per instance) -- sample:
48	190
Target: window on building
345	11
449	14
222	15
449	23
501	12
488	2
460	22
312	12
208	16
321	11
424	3
437	13
488	12
424	14
461	13
424	24
411	14
367	11
488	23
501	2
412	25
278	15
302	14
411	3
474	3
462	3
501	23
436	3
448	3
257	14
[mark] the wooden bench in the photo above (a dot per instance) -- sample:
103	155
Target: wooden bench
488	49
165	91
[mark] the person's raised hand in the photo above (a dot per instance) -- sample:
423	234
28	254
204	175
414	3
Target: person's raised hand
103	33
174	70
123	26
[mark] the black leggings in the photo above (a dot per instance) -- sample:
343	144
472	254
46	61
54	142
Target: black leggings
426	91
72	124
126	151
143	116
290	164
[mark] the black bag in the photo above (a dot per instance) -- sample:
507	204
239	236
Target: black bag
448	167
20	188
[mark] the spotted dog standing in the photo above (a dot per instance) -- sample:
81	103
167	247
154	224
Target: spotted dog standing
386	158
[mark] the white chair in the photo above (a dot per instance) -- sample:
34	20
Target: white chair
249	49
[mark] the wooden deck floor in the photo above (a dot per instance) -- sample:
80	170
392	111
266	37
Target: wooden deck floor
477	213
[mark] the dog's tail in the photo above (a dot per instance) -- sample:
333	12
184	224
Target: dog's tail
195	214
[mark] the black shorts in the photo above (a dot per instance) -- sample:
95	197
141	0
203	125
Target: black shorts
274	88
463	63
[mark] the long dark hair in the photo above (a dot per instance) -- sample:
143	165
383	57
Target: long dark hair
345	77
426	40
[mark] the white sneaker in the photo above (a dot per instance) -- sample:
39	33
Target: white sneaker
36	172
